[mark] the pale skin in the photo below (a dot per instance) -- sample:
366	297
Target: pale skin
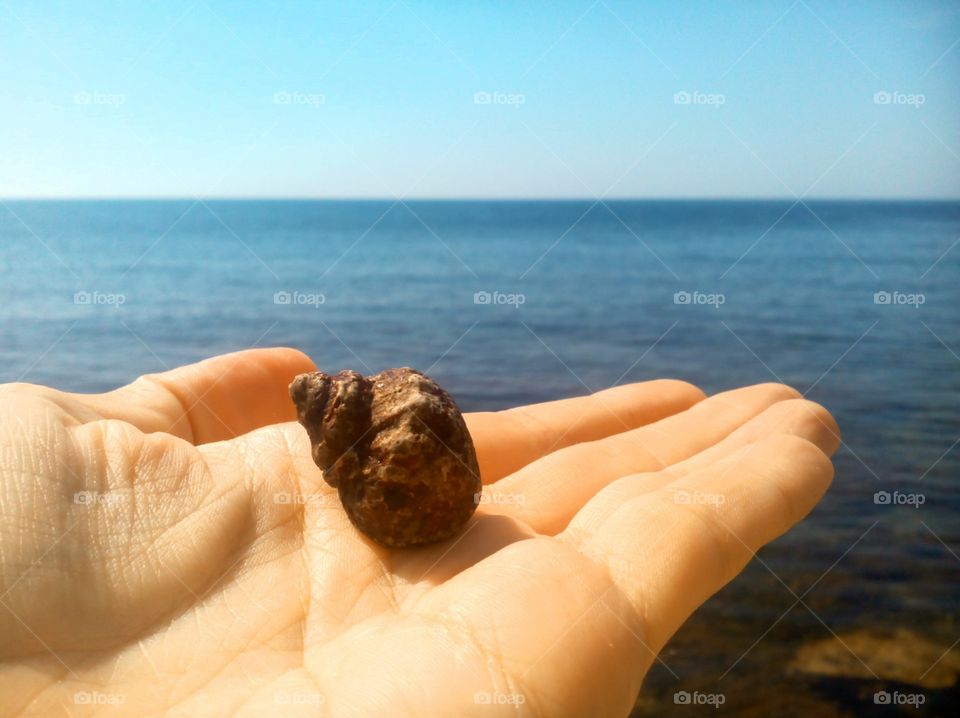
208	570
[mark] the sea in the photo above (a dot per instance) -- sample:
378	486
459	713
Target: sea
854	303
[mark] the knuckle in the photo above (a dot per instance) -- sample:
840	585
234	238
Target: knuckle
680	386
779	392
802	452
810	411
792	445
727	556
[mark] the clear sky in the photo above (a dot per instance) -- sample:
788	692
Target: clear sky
380	99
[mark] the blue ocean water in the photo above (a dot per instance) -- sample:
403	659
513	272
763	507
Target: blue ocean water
582	296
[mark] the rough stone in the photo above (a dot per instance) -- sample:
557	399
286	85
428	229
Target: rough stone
396	448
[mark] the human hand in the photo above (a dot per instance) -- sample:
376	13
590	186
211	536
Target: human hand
170	548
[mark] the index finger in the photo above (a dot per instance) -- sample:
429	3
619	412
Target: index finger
509	440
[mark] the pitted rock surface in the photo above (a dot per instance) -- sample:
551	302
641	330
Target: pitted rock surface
396	448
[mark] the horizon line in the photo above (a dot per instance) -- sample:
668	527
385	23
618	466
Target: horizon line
473	198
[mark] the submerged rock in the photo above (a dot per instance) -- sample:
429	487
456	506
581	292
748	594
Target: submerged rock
902	656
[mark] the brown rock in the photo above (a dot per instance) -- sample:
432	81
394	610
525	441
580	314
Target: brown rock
396	448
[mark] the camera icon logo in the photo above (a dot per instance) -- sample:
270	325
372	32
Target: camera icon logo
881	297
881	498
681	98
882	98
481	698
481	98
482	297
281	298
881	698
681	698
82	298
681	297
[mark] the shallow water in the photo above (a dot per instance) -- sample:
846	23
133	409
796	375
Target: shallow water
588	300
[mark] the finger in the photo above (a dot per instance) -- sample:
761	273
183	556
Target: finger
508	440
215	399
548	493
796	417
669	556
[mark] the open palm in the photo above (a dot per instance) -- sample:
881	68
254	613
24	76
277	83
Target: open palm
169	548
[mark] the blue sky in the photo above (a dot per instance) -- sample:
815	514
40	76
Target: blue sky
380	99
